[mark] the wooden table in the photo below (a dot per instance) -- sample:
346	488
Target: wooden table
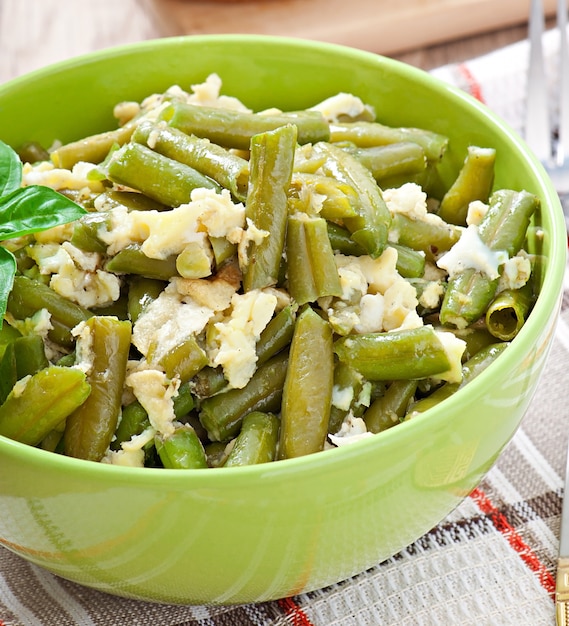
425	33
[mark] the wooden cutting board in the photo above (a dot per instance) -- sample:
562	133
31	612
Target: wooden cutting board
382	26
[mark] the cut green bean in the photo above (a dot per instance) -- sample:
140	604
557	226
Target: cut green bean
141	292
165	180
229	170
185	360
132	260
474	182
370	227
430	237
8	371
410	263
93	149
272	157
391	160
396	355
30	355
502	229
341	241
134	421
90	429
222	414
470	370
323	196
86	232
38	404
348	385
256	442
390	408
368	134
29	296
235	129
181	450
307	392
311	268
276	335
507	313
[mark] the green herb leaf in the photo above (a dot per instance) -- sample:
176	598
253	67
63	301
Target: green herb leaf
25	210
7	273
10	170
34	208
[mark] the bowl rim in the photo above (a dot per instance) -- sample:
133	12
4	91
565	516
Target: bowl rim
548	300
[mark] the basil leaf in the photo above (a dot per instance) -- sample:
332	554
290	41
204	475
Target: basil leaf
10	170
7	273
34	208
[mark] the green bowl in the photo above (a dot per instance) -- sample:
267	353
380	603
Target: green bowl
257	533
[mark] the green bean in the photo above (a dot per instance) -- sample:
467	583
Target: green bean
51	441
229	170
216	453
503	228
336	200
30	355
90	429
311	268
474	182
222	414
8	371
93	149
507	312
194	261
256	442
134	421
67	360
32	152
307	392
38	404
410	263
134	418
390	408
235	129
162	179
470	370
181	450
222	249
395	355
185	360
370	227
430	237
348	385
132	200
141	292
388	161
341	241
276	335
208	382
86	232
368	134
272	156
132	260
28	296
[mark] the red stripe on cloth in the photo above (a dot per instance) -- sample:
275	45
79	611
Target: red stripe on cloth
474	87
292	610
515	540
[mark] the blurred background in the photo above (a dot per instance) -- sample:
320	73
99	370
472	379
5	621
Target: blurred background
425	33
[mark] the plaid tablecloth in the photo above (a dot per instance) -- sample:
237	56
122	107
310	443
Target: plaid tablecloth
491	562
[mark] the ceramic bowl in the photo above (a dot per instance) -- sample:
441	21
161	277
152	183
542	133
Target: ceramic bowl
257	533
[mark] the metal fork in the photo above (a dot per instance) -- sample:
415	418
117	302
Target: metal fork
550	144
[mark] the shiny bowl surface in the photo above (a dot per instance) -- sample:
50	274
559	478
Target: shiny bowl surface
257	533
